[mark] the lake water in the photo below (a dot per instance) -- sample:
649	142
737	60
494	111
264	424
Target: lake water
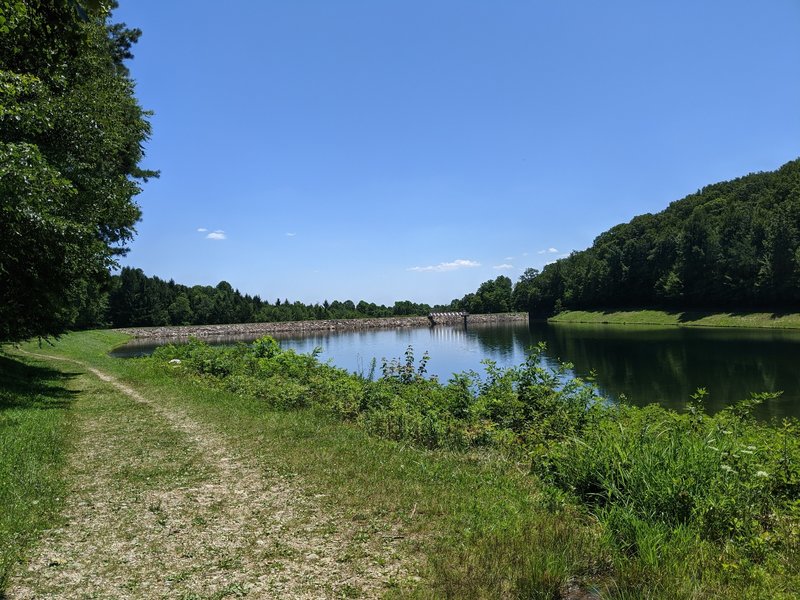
645	364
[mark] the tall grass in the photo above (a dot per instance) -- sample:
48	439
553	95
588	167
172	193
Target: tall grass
689	505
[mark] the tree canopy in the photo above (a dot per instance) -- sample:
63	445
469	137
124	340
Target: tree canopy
732	245
71	136
492	296
136	300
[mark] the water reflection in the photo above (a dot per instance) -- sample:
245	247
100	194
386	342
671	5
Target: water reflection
645	364
667	365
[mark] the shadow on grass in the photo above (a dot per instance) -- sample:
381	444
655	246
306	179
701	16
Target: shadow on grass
32	387
689	316
693	315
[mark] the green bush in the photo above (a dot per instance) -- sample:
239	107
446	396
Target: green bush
655	478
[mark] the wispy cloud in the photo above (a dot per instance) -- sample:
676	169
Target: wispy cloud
217	235
503	267
448	266
290	234
548	251
202	229
509	258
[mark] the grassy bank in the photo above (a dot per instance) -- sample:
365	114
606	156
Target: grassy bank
475	525
508	485
662	504
778	320
34	432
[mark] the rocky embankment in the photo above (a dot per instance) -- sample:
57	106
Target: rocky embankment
233	329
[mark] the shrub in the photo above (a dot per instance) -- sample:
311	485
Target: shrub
654	477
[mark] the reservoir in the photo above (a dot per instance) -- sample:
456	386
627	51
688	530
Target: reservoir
643	364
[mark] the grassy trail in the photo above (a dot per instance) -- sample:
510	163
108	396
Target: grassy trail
175	489
180	484
159	505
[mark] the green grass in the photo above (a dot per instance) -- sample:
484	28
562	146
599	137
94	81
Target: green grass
776	320
676	498
481	523
468	515
34	433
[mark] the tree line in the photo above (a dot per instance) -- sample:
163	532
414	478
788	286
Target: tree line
731	245
136	300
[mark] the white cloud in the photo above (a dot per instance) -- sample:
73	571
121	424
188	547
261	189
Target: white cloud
448	266
503	267
548	251
556	258
509	258
216	235
290	234
202	229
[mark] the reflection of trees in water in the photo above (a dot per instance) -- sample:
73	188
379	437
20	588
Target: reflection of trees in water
668	365
501	340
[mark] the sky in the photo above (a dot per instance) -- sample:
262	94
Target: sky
412	149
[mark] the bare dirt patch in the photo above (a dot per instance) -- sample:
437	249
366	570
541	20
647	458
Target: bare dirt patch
160	506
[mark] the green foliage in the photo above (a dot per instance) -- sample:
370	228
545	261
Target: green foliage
71	136
655	478
493	296
34	403
733	244
136	300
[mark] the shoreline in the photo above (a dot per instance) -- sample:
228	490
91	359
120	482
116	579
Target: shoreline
679	318
230	329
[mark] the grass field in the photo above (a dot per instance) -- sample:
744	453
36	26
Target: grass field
375	516
780	320
470	525
35	402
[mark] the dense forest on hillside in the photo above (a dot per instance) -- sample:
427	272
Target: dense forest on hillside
731	245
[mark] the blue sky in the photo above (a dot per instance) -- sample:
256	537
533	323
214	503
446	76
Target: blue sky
410	149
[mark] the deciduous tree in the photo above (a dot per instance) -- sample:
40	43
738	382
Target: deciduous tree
71	135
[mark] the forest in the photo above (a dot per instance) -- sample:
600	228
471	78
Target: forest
136	300
733	245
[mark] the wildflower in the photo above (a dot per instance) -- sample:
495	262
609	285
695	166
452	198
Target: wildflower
762	474
727	468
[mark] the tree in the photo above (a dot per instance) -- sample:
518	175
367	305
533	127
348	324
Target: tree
734	244
180	311
71	135
521	296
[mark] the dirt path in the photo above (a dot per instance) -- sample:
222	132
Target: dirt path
160	506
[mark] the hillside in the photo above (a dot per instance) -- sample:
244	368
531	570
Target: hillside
734	244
